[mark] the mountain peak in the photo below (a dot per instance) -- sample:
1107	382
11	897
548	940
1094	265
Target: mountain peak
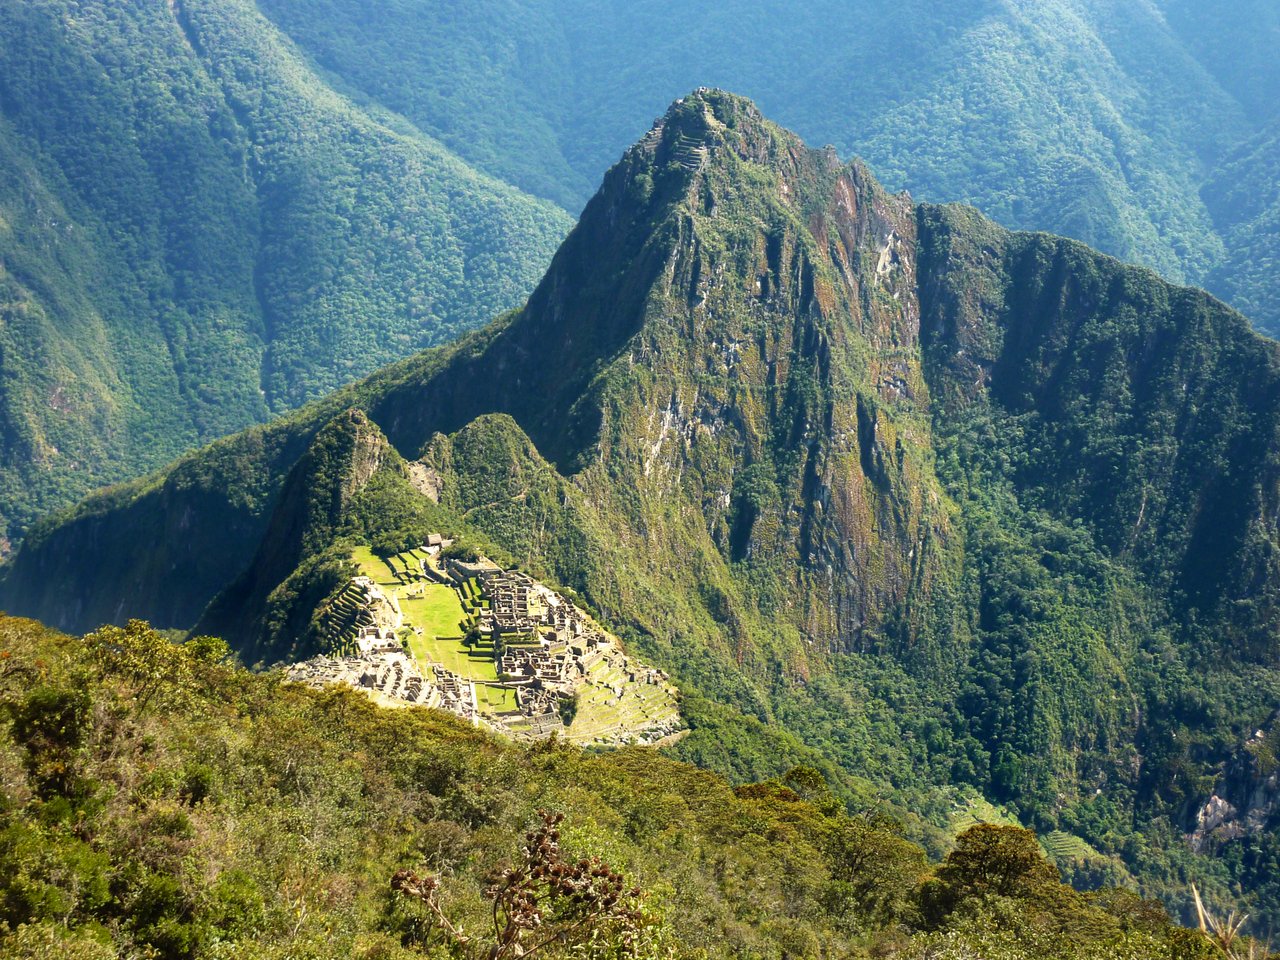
760	412
709	121
708	112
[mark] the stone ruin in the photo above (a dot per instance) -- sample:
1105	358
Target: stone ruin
381	666
545	649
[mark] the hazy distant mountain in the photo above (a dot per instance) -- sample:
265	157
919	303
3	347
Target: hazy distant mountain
195	232
1096	119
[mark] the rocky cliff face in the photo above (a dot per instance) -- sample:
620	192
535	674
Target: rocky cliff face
772	385
1245	798
1149	412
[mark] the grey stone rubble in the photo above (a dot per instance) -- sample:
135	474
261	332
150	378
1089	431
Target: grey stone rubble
380	666
558	648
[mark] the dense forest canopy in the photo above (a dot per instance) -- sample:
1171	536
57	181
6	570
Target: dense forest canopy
161	802
197	232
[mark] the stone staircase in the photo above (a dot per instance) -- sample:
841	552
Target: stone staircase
342	619
689	152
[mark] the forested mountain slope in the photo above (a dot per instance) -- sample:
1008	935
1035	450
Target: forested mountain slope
197	811
1235	43
196	232
1096	119
1244	197
961	509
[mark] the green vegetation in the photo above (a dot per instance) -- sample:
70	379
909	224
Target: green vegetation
437	610
374	567
474	663
1098	121
189	809
196	231
968	520
1245	204
496	699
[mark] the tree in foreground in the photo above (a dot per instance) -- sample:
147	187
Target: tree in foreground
990	860
545	904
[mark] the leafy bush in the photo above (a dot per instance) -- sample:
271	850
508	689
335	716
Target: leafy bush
266	820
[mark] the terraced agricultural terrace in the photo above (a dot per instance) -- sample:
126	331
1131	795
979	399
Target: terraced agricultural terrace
493	645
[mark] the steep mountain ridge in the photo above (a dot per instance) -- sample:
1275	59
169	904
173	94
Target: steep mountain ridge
740	370
1147	411
336	467
959	508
